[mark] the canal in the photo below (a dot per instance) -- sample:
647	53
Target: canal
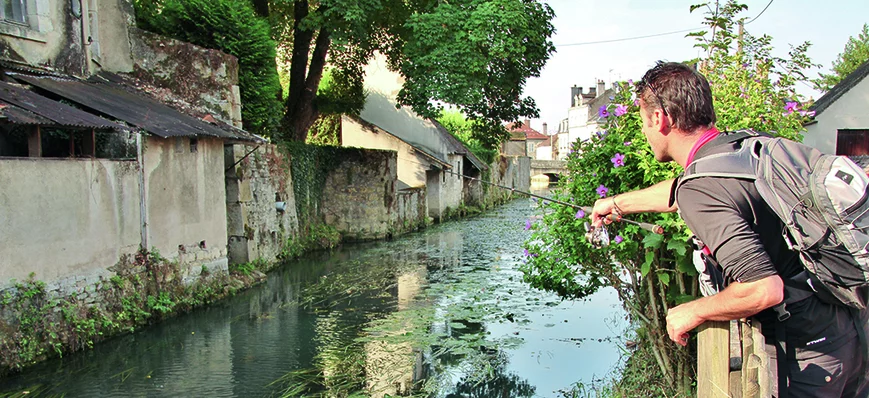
439	313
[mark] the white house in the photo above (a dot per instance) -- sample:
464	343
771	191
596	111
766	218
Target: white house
428	155
582	117
841	121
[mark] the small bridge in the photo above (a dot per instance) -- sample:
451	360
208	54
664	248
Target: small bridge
553	169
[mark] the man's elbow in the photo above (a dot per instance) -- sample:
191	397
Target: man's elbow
771	292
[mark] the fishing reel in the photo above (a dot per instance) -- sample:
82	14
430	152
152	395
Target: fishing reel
597	236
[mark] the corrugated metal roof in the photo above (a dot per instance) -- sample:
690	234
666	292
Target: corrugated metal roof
113	100
26	107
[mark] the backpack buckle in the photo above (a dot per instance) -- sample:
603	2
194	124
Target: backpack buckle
781	313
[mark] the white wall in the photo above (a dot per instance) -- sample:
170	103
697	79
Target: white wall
66	219
186	199
850	111
411	163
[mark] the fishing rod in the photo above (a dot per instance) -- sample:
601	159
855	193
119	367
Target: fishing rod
657	229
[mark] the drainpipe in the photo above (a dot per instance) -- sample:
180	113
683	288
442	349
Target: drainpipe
85	47
143	204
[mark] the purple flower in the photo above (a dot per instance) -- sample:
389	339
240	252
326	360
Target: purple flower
627	143
602	112
601	134
637	102
527	224
790	107
618	239
630	81
745	65
621	109
580	214
526	253
602	190
618	160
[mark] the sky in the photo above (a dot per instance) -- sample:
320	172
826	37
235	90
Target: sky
789	22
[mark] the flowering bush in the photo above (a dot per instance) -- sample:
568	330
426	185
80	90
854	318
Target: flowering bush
650	272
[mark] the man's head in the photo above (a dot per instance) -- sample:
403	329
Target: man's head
674	98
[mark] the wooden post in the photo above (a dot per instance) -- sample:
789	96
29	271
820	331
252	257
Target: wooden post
713	360
89	141
34	143
755	365
736	370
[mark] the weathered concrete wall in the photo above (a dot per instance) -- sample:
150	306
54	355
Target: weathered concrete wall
411	210
510	172
50	35
186	201
513	148
359	195
207	79
109	23
260	205
66	220
848	112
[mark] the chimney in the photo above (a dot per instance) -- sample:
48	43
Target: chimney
544	129
528	123
574	92
600	87
592	91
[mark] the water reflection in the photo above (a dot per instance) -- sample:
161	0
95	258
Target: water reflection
443	313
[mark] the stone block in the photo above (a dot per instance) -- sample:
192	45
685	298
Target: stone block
245	194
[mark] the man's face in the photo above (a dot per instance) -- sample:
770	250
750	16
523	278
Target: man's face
651	122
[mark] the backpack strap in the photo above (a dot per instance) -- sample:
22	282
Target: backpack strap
741	163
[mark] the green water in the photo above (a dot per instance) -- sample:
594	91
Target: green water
440	313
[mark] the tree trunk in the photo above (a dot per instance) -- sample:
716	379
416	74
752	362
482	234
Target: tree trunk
304	77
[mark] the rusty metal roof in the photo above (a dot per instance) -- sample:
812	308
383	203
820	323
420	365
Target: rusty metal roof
113	100
23	106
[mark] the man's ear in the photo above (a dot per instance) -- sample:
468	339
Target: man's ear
661	122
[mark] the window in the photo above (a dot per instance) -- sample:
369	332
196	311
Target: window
852	142
14	11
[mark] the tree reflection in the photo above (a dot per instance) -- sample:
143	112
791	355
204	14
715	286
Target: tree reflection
499	385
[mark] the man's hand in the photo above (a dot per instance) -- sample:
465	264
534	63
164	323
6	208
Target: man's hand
602	208
681	320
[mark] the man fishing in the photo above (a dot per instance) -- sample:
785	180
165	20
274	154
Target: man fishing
825	354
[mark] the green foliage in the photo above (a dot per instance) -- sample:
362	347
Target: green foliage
232	27
855	54
340	93
38	323
650	272
477	56
326	131
463	129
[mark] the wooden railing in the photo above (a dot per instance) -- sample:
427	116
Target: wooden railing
731	361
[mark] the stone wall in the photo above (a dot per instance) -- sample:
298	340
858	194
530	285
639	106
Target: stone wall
260	205
204	78
359	194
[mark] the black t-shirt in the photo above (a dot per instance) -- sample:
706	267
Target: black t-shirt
745	237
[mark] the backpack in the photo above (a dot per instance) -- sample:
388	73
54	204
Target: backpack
821	200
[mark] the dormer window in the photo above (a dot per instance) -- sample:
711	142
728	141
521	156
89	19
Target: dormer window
14	11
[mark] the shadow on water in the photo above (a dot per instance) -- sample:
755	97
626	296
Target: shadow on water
441	313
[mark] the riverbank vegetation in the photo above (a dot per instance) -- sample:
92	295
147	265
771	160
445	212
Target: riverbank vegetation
651	273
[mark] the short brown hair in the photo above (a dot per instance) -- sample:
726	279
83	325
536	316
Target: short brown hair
681	92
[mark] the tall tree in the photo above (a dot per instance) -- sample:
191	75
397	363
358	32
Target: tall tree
855	54
475	54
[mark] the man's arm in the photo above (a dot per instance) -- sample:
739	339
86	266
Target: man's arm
738	300
654	199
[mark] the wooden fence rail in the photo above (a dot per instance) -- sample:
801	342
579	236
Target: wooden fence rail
731	361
